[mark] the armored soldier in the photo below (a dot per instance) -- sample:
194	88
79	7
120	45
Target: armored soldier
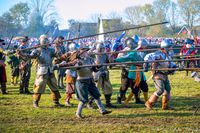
126	82
188	49
71	76
44	73
3	78
24	68
85	84
102	76
134	78
61	72
160	78
139	78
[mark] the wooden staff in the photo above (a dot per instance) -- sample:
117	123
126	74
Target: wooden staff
142	50
168	69
136	63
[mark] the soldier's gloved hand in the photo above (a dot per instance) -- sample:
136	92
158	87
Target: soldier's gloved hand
55	67
145	67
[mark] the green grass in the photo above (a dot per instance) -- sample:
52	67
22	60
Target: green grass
18	115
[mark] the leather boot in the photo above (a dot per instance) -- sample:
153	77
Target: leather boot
27	91
151	101
108	103
26	85
119	100
3	88
12	80
137	99
36	99
128	99
145	94
165	102
21	88
57	103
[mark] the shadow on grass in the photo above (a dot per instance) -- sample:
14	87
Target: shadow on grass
154	114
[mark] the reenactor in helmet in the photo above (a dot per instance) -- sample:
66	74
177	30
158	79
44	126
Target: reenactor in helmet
188	49
44	73
61	71
126	82
139	78
160	78
85	84
24	68
102	76
71	76
3	78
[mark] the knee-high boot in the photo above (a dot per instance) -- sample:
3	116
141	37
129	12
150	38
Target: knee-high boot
3	88
165	102
145	94
149	104
108	99
79	110
36	99
128	98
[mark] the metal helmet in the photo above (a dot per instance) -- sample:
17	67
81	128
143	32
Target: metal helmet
100	46
142	43
130	43
189	41
165	43
136	38
73	46
25	39
43	39
59	39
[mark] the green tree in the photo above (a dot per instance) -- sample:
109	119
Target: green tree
190	11
20	13
134	15
173	17
7	25
43	12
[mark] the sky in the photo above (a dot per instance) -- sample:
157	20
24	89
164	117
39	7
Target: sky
81	9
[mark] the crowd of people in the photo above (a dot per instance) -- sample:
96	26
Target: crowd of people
82	64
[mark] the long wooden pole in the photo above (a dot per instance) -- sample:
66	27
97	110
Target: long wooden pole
136	63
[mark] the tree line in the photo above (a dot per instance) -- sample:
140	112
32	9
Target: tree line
37	17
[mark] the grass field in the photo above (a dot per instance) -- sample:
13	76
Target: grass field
18	115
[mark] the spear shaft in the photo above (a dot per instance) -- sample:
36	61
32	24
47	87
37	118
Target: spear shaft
168	69
136	63
142	50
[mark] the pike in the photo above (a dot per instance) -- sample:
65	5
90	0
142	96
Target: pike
137	63
9	42
69	40
142	50
168	69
